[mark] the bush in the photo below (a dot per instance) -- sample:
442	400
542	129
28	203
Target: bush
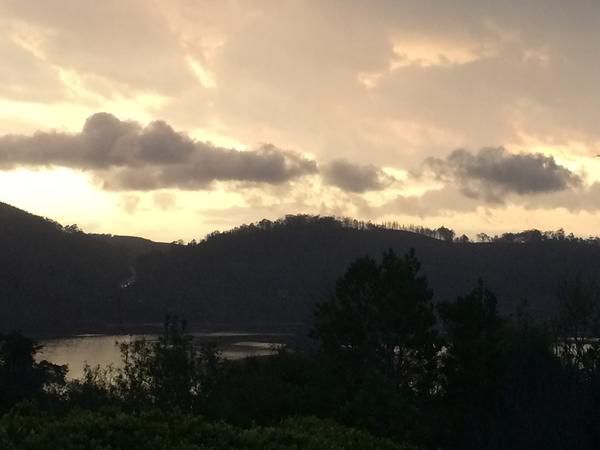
112	429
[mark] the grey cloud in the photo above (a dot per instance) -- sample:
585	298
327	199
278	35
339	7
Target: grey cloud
586	199
449	200
492	173
129	203
165	200
354	177
503	92
127	156
445	201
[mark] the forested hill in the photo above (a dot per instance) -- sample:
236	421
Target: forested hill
59	279
56	278
275	272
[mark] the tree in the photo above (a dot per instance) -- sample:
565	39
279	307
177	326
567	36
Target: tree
171	373
21	376
473	365
578	324
381	318
483	237
445	234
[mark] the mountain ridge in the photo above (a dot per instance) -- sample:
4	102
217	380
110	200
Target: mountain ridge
58	279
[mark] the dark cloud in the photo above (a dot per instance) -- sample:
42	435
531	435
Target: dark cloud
492	173
126	156
449	200
354	177
586	199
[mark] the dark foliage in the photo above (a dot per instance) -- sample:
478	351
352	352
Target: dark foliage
381	319
263	276
112	429
471	376
276	272
22	377
382	364
53	277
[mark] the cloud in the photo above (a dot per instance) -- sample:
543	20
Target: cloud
129	203
586	199
26	78
129	44
127	156
493	173
354	177
166	201
448	200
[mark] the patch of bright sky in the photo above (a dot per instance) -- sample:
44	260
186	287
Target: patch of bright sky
82	97
409	52
517	218
398	187
575	155
406	185
510	218
415	51
139	106
204	76
148	220
68	196
70	117
57	116
61	194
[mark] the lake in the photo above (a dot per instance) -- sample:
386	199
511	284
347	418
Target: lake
75	351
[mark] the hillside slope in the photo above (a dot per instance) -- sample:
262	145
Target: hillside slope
276	272
56	279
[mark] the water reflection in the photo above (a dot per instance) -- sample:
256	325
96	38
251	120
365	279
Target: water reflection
96	349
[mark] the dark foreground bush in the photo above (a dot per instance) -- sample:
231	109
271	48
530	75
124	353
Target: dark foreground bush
83	430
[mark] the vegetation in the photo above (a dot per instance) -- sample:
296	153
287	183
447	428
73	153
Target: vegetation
263	275
21	377
54	277
387	366
381	320
276	272
26	429
386	362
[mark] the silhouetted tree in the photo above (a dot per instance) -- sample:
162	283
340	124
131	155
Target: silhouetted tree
473	366
483	237
21	376
171	373
446	234
577	327
381	317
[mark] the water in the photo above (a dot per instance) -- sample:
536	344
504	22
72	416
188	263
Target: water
102	350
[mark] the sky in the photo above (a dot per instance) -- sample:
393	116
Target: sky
172	119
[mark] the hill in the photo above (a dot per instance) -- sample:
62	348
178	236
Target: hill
54	278
274	272
265	276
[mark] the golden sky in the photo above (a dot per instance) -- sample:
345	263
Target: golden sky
170	119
